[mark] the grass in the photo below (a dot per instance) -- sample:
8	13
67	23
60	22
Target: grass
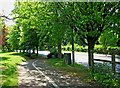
8	66
73	70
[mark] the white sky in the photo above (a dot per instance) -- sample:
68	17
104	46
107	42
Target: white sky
6	6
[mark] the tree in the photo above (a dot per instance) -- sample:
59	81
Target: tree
28	23
13	37
52	20
3	33
89	20
94	18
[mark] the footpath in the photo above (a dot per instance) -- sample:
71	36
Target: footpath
37	74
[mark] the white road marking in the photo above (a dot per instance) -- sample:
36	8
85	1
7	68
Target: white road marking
49	79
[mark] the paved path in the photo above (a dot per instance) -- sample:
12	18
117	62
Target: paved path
29	77
37	74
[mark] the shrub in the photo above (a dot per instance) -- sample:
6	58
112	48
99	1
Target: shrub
101	50
77	47
53	55
116	50
85	49
97	49
104	76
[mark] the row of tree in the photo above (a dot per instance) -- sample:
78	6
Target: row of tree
52	24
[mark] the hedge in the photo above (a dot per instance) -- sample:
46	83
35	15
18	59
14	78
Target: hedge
97	49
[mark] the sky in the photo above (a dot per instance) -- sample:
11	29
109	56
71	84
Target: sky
6	6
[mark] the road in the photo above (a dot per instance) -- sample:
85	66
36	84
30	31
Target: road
82	57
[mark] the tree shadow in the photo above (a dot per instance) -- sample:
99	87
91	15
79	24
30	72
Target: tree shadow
20	54
4	58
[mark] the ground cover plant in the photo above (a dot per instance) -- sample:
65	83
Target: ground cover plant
103	75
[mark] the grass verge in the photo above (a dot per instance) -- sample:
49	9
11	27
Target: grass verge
8	66
73	70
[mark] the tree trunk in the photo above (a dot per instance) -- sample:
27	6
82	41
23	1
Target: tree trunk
23	50
73	53
27	51
33	51
91	44
59	50
37	50
118	43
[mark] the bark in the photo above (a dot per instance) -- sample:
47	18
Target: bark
73	53
118	43
59	50
33	50
91	44
37	50
23	50
27	51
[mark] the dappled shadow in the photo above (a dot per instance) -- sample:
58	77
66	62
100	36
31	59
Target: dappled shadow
29	77
63	79
4	58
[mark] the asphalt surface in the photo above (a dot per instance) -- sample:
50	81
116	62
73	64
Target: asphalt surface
37	74
29	76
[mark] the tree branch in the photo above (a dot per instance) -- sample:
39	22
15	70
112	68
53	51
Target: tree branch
6	17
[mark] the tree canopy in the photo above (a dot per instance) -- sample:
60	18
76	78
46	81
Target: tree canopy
51	24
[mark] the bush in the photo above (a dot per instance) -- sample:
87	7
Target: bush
104	76
85	49
97	49
27	54
53	55
116	50
33	56
77	47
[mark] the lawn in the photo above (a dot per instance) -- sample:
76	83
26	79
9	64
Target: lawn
8	66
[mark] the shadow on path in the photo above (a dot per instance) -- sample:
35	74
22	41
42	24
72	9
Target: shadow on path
29	77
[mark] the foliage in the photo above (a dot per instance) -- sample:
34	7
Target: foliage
13	37
57	22
108	38
3	33
104	76
78	48
101	50
97	49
